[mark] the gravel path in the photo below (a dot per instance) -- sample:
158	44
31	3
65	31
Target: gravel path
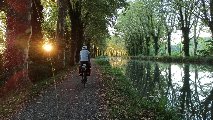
73	101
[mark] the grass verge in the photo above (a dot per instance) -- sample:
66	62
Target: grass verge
125	102
177	59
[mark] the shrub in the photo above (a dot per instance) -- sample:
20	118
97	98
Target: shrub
102	60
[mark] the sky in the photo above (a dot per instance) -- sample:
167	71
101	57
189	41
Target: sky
176	36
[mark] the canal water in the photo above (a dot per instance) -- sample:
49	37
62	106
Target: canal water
187	88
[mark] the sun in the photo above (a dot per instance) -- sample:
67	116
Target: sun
47	47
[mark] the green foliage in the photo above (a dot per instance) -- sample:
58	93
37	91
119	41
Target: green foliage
145	25
140	25
208	49
115	46
50	18
130	26
2	31
102	60
97	16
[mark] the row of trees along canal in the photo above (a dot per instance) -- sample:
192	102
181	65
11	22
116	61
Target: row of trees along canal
68	24
147	27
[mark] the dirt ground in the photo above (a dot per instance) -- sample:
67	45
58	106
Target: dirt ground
69	100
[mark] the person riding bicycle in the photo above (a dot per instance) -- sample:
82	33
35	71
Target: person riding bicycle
84	59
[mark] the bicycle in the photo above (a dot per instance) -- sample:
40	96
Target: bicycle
84	74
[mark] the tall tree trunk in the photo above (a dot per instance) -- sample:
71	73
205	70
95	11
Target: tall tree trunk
196	36
60	31
211	17
36	40
80	40
37	36
186	40
169	42
208	17
95	52
185	18
156	45
135	49
147	45
195	44
67	38
73	48
211	27
88	44
17	41
76	31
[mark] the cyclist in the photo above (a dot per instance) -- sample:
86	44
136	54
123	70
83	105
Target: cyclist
84	59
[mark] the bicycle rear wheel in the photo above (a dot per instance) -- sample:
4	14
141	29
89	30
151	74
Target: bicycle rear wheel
84	78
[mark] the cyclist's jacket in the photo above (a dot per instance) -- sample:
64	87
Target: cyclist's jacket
84	55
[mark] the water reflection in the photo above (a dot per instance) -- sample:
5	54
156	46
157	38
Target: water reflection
187	88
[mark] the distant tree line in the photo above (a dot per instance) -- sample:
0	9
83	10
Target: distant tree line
147	26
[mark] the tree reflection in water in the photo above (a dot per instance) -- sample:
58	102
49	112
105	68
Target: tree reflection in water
190	93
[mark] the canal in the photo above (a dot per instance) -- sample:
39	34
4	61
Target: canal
187	88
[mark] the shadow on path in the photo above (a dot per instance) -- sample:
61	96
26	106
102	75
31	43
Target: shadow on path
69	101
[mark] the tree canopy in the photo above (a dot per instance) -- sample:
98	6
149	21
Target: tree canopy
147	25
67	24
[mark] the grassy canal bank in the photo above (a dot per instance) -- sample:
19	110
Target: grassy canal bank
176	59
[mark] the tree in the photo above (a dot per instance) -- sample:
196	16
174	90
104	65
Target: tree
115	46
61	31
169	20
196	32
17	41
75	9
186	19
35	54
37	36
49	23
155	21
141	27
131	26
207	13
86	14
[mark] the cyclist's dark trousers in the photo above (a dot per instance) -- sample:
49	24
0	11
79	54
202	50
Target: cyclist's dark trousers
88	67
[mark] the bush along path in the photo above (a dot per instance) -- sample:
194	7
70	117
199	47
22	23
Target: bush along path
68	100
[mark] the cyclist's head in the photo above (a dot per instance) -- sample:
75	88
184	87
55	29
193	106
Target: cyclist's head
84	47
